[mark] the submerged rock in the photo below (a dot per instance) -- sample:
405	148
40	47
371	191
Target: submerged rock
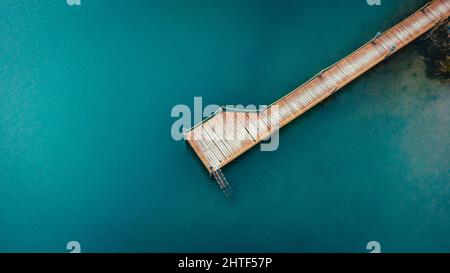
436	52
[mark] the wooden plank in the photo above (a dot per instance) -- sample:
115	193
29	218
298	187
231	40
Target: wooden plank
221	132
213	158
229	123
212	147
253	118
331	76
245	123
205	159
215	141
432	13
394	32
382	49
288	107
284	112
242	136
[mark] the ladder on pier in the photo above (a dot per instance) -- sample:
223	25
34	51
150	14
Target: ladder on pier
222	181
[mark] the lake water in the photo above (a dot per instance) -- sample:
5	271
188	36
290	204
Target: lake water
86	152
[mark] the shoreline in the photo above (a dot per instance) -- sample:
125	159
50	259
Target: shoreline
434	47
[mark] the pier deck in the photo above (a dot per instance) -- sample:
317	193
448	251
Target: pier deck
224	136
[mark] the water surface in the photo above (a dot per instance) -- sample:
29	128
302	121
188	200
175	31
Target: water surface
86	152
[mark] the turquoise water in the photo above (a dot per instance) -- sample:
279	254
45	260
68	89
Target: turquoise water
86	152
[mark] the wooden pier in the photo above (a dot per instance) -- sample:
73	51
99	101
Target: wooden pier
225	135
